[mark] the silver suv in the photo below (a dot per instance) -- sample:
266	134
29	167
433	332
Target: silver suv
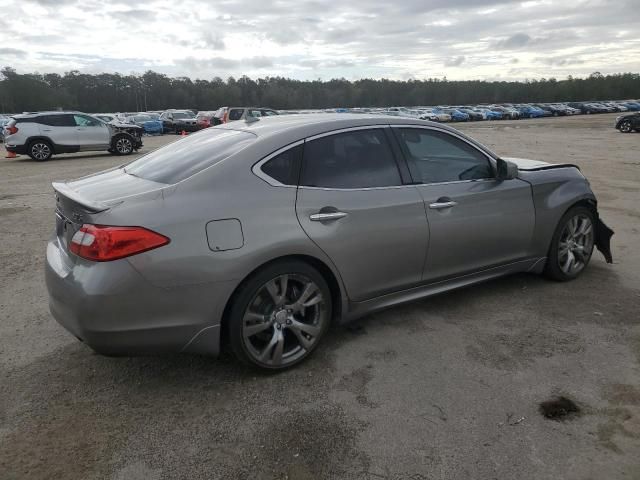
43	134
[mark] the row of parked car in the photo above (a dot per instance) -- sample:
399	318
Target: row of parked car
506	111
178	121
43	134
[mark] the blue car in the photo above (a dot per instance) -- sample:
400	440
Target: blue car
527	111
456	115
151	126
632	106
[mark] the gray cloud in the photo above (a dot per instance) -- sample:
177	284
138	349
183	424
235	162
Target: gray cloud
454	62
324	39
13	52
514	41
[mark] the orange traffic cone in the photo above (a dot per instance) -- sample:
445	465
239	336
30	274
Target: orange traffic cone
184	134
11	154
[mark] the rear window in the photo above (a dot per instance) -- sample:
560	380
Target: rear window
186	157
57	120
236	113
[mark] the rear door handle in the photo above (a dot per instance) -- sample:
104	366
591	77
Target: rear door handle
326	217
438	205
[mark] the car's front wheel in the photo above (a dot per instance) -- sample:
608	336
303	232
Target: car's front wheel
626	126
572	244
278	317
40	150
122	145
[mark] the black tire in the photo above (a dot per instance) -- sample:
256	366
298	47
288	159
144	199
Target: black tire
553	269
122	145
40	150
626	127
246	295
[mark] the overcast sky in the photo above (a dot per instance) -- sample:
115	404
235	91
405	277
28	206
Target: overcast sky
308	39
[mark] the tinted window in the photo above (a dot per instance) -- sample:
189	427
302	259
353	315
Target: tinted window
285	167
235	113
440	157
358	159
61	120
186	157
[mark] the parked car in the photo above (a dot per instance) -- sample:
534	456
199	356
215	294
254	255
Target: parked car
3	123
204	119
629	122
489	113
43	134
632	106
242	113
268	230
527	111
456	115
105	117
148	124
474	115
177	121
218	116
507	112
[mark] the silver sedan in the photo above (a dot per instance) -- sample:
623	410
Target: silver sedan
258	234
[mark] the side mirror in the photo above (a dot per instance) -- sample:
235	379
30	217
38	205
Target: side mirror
507	170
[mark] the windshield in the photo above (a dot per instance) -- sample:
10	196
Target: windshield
142	118
186	157
182	115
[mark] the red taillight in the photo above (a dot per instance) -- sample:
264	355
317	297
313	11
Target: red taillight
12	130
102	243
225	117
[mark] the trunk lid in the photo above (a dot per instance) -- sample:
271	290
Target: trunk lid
81	201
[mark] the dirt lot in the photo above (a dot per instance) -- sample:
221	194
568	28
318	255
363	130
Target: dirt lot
445	388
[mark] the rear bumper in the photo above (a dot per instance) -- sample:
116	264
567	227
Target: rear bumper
17	149
116	311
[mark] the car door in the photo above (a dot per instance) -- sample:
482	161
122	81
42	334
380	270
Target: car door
475	220
61	129
92	133
353	204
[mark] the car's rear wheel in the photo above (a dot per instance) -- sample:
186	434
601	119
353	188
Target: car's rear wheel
40	150
279	315
572	244
122	145
626	126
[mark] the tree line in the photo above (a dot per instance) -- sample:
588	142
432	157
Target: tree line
113	92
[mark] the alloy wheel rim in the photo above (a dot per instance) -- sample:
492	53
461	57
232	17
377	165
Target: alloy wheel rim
576	244
625	127
41	151
123	145
284	320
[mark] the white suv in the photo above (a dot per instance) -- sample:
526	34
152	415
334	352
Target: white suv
43	134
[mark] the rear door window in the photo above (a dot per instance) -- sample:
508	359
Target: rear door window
186	157
350	160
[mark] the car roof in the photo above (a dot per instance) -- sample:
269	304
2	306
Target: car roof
286	129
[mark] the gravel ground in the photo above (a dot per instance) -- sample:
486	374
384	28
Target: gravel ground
445	388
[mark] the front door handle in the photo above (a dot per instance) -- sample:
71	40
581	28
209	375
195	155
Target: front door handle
327	216
442	203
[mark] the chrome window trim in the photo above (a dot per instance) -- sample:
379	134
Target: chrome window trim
377	126
257	167
492	160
